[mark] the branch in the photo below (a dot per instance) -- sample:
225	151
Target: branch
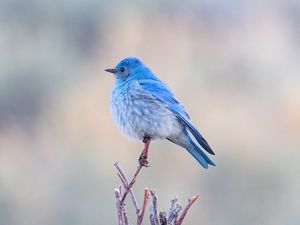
186	209
174	211
163	218
153	210
155	219
124	214
131	183
141	216
125	182
119	209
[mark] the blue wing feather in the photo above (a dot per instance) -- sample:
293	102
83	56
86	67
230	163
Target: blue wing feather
163	94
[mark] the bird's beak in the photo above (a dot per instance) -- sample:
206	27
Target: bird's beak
111	70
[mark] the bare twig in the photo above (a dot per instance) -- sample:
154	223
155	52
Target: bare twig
123	220
124	215
174	211
119	209
141	216
131	183
163	218
186	209
125	182
153	209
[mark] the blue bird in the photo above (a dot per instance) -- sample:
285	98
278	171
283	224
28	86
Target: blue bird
144	109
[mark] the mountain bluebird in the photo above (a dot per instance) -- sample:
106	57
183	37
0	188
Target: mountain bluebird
144	108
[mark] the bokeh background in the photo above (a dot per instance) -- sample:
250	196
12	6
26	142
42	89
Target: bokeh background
235	65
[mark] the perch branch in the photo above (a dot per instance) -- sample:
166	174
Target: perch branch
125	182
131	183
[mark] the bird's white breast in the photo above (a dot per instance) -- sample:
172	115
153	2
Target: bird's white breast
137	113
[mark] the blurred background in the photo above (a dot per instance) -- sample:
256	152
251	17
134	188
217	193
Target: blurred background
235	66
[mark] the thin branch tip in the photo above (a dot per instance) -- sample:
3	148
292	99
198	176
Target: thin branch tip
186	209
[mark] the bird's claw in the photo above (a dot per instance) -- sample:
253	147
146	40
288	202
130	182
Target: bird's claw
143	161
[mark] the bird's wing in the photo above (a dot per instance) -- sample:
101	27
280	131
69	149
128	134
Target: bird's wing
163	94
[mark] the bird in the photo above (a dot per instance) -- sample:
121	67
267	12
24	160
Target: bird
144	108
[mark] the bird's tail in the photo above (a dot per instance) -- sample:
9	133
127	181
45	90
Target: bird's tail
199	155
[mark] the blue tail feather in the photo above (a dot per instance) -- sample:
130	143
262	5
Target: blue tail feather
196	134
199	155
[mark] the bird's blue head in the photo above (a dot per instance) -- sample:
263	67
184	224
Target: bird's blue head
129	68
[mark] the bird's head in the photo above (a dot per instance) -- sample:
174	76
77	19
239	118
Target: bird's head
130	67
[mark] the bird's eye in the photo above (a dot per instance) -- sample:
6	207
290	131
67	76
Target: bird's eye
122	69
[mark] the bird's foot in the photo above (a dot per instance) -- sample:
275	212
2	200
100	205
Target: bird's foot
143	160
143	157
146	139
